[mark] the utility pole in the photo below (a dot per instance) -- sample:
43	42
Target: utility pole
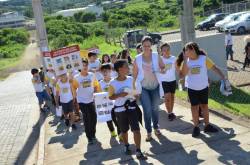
40	27
187	22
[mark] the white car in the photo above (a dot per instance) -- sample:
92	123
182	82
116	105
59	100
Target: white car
240	26
232	17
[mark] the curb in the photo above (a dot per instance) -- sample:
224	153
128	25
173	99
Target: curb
171	32
229	116
41	143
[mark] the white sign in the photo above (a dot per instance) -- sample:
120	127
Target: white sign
103	106
66	59
48	60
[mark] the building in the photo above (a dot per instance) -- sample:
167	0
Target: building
98	10
11	20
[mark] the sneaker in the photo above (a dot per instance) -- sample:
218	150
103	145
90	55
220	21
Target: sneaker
73	127
94	139
171	116
242	69
149	137
157	132
140	155
210	128
113	134
196	132
67	122
90	142
127	150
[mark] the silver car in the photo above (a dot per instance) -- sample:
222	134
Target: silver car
230	18
239	26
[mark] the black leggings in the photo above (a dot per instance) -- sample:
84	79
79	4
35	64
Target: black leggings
110	123
246	62
89	119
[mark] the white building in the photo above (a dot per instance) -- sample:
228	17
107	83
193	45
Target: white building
90	8
11	19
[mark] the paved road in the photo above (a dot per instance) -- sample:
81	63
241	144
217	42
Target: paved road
19	115
230	146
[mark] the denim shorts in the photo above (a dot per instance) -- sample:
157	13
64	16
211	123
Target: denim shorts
42	96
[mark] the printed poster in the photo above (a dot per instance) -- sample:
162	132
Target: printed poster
103	106
66	59
48	60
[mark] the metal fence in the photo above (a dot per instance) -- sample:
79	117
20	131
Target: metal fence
229	8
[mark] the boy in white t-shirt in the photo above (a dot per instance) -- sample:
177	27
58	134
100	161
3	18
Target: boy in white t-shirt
85	84
39	87
94	65
104	84
65	92
168	79
125	107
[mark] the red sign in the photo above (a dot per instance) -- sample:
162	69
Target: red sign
66	50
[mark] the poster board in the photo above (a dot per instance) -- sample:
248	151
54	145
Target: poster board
66	59
103	106
48	60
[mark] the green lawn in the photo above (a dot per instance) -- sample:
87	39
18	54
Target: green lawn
238	103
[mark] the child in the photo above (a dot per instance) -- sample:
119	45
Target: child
94	65
39	87
168	79
106	72
229	44
85	85
195	67
247	58
113	59
64	90
126	115
50	76
105	59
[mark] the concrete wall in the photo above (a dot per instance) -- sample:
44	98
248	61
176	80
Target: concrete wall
214	46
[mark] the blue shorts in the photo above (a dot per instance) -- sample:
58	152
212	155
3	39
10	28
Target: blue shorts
42	96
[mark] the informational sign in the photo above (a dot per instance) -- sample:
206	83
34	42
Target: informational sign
103	106
48	60
66	59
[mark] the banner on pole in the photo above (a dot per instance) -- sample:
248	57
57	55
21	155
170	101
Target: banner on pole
103	106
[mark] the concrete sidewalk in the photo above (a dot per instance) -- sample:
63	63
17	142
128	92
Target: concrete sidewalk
175	147
19	120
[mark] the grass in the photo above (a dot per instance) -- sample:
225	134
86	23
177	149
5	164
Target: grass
8	62
103	46
238	103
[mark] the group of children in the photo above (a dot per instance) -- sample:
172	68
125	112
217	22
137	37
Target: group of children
75	91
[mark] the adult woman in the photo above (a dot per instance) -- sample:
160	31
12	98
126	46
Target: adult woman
145	68
195	67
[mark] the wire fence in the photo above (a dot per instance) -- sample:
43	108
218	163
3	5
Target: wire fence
228	8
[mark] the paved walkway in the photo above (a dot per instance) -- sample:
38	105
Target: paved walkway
176	146
19	115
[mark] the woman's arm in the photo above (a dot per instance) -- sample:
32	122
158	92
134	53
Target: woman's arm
135	73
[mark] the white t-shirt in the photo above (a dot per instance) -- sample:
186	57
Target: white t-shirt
96	65
85	88
50	76
170	69
197	77
65	91
228	39
38	85
117	87
104	85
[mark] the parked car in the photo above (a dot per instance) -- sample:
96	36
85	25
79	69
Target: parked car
210	21
232	17
131	38
239	26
